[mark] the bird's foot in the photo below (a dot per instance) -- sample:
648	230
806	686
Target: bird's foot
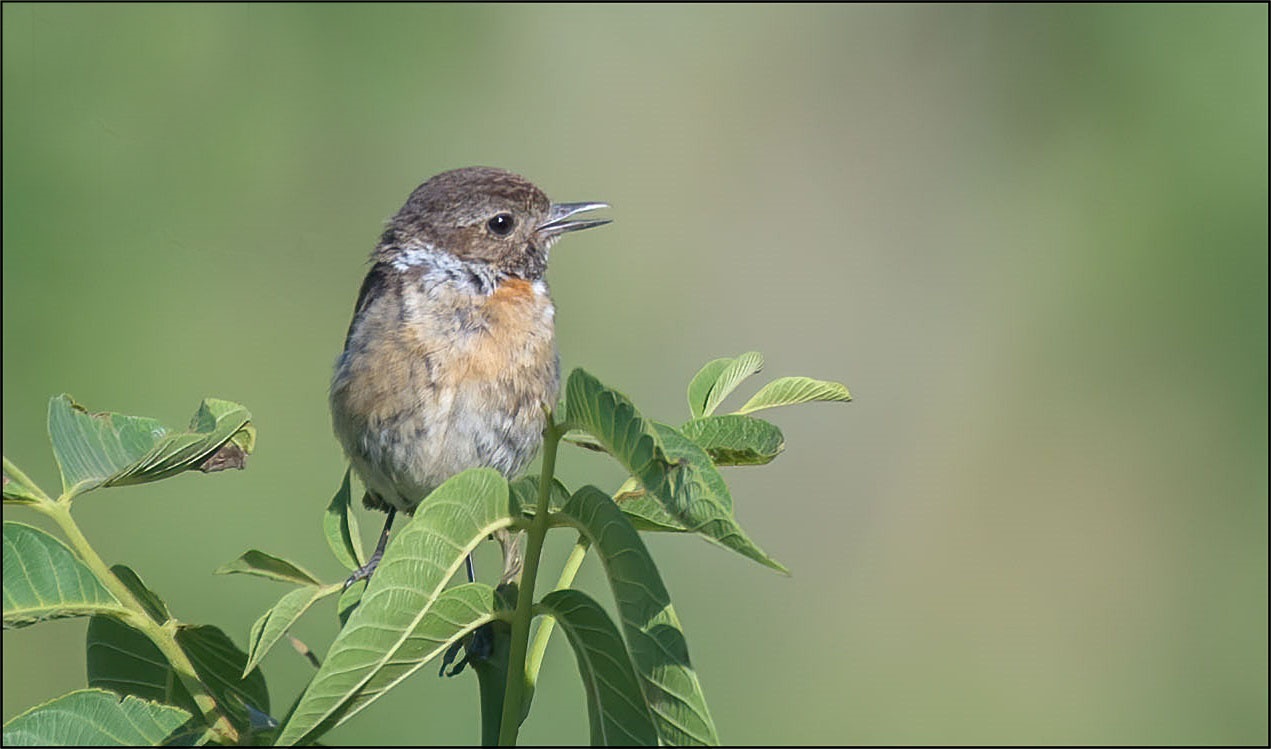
365	571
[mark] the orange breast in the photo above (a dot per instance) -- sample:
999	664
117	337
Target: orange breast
516	335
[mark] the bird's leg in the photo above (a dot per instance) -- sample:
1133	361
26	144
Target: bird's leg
478	645
364	572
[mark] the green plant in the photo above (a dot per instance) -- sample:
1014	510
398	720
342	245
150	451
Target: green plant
640	684
178	682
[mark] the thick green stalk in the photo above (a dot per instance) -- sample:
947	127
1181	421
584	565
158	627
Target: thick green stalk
515	692
544	632
538	648
162	635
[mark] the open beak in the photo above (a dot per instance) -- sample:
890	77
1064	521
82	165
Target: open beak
558	218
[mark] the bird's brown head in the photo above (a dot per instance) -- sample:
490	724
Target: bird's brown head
482	214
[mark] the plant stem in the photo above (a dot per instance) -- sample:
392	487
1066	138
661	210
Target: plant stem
162	635
22	478
545	627
515	693
567	574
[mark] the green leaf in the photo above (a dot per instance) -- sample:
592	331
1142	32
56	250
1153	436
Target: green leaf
43	579
269	566
699	388
611	418
644	510
654	636
93	717
155	608
340	527
687	491
700	498
123	660
787	391
219	664
110	449
692	497
349	600
524	493
275	622
737	370
615	704
18	488
333	696
733	440
615	424
404	618
492	675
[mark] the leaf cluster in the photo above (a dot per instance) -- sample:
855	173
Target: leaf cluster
152	679
156	680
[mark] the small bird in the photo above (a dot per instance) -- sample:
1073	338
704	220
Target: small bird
451	354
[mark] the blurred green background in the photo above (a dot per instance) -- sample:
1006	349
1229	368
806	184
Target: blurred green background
1031	240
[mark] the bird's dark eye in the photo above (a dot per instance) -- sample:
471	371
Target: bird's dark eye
502	224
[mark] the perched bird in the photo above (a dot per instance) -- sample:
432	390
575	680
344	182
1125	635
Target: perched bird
451	354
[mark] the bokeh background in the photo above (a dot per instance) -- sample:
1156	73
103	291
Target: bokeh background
1031	240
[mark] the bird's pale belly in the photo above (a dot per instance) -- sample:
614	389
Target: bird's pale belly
403	456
